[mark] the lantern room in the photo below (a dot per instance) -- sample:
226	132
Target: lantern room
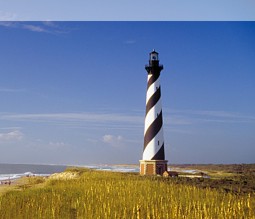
154	56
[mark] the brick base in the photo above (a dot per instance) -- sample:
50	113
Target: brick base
153	167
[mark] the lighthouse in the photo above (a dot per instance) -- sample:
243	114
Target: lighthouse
153	161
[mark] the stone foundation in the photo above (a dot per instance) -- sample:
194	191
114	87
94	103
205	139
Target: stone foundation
153	167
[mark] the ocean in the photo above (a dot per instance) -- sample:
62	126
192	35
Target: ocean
15	171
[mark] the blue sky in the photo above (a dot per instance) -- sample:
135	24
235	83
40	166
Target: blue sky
142	10
74	92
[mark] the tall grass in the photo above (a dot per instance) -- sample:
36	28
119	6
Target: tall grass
96	194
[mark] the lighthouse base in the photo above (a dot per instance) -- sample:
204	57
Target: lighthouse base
153	167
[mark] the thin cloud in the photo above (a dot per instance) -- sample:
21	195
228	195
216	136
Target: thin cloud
11	136
10	24
10	128
35	28
7	23
222	114
85	120
39	27
11	90
115	141
173	120
111	138
195	116
73	117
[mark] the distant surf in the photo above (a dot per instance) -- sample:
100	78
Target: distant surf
16	171
114	168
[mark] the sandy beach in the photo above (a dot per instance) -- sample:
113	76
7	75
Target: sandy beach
16	184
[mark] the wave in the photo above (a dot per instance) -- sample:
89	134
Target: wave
7	177
114	168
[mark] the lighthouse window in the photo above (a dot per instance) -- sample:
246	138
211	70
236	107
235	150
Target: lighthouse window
158	142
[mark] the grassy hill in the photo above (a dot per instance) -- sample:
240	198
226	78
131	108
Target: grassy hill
83	193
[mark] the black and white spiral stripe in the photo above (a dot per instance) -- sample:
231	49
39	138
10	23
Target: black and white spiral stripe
153	130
